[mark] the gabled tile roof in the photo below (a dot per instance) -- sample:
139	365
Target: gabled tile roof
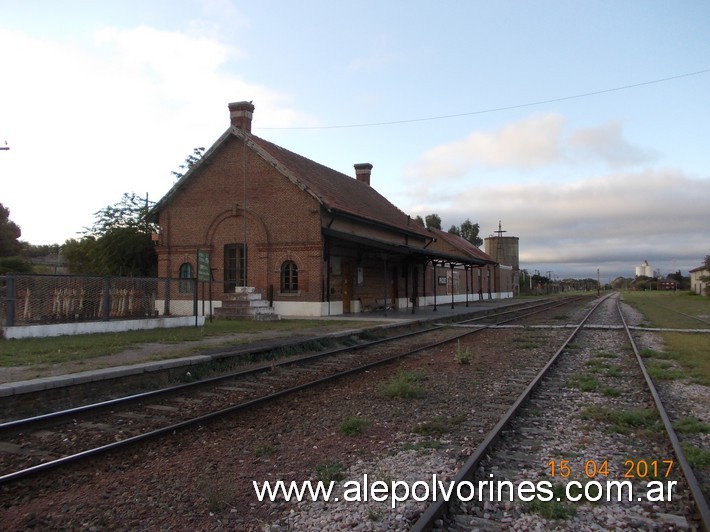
466	248
336	191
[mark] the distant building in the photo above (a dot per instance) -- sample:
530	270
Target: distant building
644	270
697	284
668	284
505	251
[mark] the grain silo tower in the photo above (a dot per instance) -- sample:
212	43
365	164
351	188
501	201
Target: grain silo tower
505	251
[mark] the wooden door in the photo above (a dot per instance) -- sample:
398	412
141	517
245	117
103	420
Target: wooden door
347	286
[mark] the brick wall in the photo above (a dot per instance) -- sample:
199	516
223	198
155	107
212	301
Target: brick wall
282	222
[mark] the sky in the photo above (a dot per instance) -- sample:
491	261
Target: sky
582	127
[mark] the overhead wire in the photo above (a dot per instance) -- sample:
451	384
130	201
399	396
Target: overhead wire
498	109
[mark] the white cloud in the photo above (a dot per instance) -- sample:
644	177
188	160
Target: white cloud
660	215
527	144
535	142
87	125
606	143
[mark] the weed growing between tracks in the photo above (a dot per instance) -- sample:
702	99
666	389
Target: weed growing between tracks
330	472
462	355
556	508
697	458
404	385
644	420
354	425
217	496
439	425
691	425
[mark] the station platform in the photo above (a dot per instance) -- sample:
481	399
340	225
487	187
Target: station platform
141	360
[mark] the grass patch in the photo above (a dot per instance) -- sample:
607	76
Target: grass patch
691	425
655	307
664	371
462	355
697	458
37	351
609	391
596	365
330	472
265	450
585	382
526	343
353	425
555	508
404	385
624	421
613	371
692	351
439	425
217	496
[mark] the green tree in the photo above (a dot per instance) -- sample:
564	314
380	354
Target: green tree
470	231
126	251
81	255
190	161
9	234
10	246
118	243
433	221
131	211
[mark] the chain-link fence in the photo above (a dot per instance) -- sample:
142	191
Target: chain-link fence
28	299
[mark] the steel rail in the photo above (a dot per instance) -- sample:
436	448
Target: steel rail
700	503
46	466
427	520
546	305
70	412
14	425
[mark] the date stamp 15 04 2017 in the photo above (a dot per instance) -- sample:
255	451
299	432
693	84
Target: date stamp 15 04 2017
632	469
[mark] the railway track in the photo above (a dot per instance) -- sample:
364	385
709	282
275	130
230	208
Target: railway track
590	417
35	445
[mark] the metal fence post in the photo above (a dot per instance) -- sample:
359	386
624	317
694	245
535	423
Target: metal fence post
107	298
194	300
166	305
10	301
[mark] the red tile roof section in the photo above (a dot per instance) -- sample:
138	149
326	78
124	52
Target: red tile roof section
463	245
340	192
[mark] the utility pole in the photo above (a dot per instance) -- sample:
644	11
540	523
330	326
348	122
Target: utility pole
598	285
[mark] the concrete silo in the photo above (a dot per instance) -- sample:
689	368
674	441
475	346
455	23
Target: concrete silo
505	251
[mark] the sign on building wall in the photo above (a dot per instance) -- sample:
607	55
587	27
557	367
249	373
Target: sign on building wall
203	266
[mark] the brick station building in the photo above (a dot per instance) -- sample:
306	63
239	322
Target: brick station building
311	240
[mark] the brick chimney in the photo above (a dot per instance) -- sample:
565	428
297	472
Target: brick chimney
362	172
240	114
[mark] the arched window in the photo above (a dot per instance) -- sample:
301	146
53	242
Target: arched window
289	277
186	273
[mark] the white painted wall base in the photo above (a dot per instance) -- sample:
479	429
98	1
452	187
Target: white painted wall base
91	327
